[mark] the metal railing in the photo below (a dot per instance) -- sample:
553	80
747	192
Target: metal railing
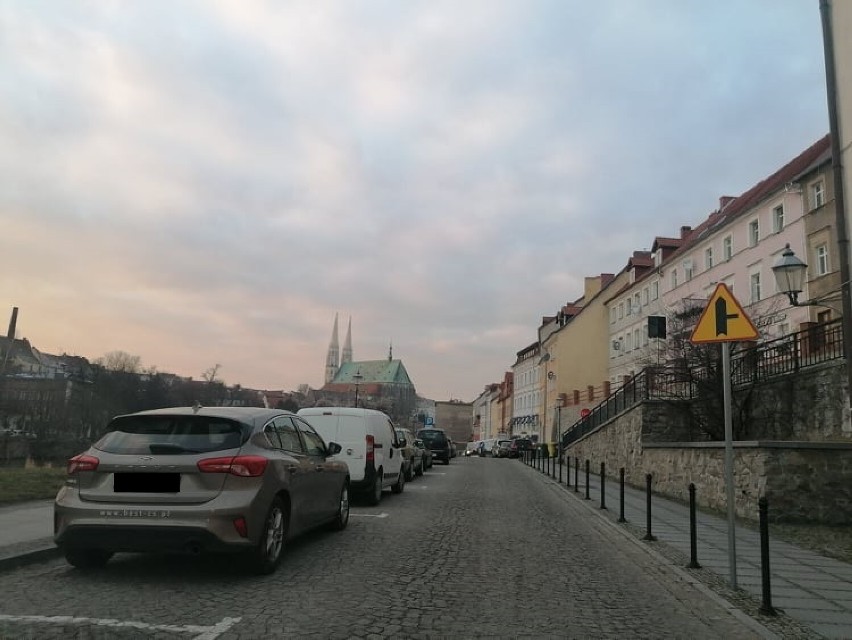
814	345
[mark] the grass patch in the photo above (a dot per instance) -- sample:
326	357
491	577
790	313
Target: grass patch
18	484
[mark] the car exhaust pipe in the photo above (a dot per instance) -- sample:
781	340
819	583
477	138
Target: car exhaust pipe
193	548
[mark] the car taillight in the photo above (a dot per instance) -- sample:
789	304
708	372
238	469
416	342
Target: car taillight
371	449
245	466
82	462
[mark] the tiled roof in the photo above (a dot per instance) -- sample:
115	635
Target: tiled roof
372	371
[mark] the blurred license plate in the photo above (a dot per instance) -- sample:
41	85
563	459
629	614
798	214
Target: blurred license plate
146	483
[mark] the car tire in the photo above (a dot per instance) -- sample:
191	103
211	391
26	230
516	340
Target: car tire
267	554
399	485
409	472
374	495
342	518
420	468
87	559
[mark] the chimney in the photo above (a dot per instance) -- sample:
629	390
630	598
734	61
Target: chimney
685	231
724	201
13	324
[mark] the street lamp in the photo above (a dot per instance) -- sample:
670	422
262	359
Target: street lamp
790	275
357	377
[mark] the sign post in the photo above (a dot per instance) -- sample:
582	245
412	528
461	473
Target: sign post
724	320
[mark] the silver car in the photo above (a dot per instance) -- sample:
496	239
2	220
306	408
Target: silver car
200	479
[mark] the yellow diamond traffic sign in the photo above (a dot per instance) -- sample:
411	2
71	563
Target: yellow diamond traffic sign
723	320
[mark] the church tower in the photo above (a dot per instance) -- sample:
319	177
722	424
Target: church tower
332	360
346	354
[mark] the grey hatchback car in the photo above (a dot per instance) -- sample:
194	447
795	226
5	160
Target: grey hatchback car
200	479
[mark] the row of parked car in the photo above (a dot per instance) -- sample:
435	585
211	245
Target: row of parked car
499	447
231	479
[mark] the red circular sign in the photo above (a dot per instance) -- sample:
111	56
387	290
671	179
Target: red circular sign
584	413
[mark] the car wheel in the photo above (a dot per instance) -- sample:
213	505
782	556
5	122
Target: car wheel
399	485
421	467
409	472
87	558
269	550
342	518
374	496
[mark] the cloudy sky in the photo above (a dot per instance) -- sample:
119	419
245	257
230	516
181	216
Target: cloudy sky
209	182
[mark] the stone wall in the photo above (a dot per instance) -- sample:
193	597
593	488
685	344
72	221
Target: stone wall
804	480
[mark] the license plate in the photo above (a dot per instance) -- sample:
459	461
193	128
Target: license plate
146	483
136	513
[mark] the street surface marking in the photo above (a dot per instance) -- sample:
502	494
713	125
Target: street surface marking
369	515
204	633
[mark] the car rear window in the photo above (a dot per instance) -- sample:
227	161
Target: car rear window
437	437
165	435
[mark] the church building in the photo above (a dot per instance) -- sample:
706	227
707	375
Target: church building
374	384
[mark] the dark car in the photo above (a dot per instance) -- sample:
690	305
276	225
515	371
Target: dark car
518	446
437	442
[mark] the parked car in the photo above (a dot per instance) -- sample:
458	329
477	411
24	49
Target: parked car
198	479
471	448
453	451
501	449
487	447
518	447
370	447
437	442
425	453
413	456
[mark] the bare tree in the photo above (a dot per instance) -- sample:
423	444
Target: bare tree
210	374
120	361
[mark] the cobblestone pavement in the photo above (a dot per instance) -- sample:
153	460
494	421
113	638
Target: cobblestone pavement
479	548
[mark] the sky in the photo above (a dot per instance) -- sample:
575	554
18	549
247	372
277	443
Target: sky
209	182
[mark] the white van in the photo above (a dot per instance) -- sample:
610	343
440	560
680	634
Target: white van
370	447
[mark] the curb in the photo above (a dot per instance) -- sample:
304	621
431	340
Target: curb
754	624
30	556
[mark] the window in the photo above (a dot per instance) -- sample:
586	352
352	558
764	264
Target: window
708	258
822	260
628	307
636	338
612	315
817	195
754	281
288	435
778	218
753	233
674	278
636	305
620	310
629	342
314	444
655	290
644	296
687	269
728	248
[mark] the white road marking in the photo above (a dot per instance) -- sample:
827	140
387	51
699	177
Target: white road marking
204	633
369	515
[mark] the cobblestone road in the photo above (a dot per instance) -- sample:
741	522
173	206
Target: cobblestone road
481	548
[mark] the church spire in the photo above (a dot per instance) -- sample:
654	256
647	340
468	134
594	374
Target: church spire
346	355
332	360
390	352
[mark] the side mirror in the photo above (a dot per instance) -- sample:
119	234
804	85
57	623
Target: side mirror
419	443
333	448
403	442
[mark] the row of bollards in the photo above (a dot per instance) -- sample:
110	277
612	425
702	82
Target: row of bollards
547	464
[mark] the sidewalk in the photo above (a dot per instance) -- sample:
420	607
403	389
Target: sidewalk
812	589
26	533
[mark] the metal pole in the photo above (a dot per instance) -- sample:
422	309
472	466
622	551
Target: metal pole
648	535
839	195
587	479
621	517
567	471
603	485
693	534
766	606
729	463
576	474
560	466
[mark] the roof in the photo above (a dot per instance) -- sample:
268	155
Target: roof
372	371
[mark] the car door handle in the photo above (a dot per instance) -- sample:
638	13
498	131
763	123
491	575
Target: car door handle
319	467
292	468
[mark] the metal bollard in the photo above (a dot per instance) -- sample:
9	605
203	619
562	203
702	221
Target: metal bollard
576	474
560	468
587	479
567	471
766	607
648	535
603	485
621	517
693	534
